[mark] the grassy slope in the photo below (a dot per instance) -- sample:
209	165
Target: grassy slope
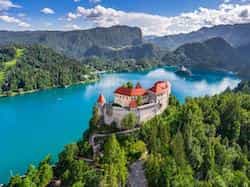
9	64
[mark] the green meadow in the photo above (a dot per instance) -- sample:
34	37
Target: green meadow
9	64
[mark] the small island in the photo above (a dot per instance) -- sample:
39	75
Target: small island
183	71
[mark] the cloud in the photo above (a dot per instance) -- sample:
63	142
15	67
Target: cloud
48	11
72	27
190	87
94	1
71	16
21	15
76	1
244	13
163	25
7	4
181	87
106	85
18	22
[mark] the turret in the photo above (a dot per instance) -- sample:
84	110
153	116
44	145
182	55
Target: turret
100	104
101	100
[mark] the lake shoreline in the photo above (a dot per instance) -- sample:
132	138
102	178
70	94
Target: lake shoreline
13	94
37	117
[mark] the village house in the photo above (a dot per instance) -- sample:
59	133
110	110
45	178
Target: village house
144	103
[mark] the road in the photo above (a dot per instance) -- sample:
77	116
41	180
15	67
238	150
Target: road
136	176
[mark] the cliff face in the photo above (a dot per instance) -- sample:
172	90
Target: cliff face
75	43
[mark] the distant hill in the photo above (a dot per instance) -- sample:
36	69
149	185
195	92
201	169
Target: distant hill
76	43
244	50
214	53
29	68
244	87
133	52
236	35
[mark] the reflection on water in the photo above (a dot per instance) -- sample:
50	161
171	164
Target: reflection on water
34	125
200	84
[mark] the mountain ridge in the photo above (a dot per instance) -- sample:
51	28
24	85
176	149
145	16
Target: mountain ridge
215	53
236	35
75	43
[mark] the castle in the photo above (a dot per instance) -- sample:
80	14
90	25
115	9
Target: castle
143	103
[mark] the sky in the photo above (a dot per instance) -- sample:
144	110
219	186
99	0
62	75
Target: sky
154	17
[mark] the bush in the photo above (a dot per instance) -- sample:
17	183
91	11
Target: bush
129	121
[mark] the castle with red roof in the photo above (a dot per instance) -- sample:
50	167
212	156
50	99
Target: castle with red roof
144	103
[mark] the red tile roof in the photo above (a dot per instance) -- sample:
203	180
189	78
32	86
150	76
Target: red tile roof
159	87
133	104
131	91
101	99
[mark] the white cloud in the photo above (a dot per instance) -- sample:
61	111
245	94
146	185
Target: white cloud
18	22
72	27
94	1
7	4
163	25
186	87
48	11
71	16
191	88
76	1
21	15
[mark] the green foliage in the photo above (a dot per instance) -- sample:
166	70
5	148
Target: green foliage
208	143
204	142
136	149
244	87
123	65
129	121
114	160
177	149
128	85
34	177
76	43
95	119
214	53
139	100
37	67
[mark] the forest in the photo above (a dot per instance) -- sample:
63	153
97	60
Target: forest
203	142
28	68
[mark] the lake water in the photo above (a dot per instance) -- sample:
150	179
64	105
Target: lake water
34	125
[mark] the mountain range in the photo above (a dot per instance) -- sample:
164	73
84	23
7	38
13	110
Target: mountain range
214	53
76	43
236	35
220	47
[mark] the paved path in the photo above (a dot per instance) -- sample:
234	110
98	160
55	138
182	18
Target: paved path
136	176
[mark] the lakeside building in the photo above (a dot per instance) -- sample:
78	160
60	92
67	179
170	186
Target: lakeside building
144	103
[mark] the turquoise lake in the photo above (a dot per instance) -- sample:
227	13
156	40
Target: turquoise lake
35	125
